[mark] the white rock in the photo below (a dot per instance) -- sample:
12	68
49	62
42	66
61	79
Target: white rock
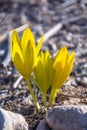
12	121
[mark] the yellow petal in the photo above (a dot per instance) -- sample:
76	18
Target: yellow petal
15	45
41	78
43	71
61	74
39	44
48	67
67	69
71	56
27	36
60	64
29	58
19	64
60	55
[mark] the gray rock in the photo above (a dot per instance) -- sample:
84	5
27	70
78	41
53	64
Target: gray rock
43	125
12	121
69	117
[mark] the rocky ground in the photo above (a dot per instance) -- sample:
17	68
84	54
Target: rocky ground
41	16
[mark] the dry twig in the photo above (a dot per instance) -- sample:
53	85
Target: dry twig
68	3
18	81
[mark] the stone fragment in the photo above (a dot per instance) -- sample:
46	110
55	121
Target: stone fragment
43	125
12	121
68	117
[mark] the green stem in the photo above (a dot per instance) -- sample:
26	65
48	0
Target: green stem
44	99
32	93
52	96
44	95
35	84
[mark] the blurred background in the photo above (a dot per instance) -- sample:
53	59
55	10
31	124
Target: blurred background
41	16
64	22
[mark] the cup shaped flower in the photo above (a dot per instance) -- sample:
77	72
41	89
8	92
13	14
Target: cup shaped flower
62	66
24	51
43	73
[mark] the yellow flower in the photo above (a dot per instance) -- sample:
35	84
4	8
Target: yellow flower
43	73
62	66
24	52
